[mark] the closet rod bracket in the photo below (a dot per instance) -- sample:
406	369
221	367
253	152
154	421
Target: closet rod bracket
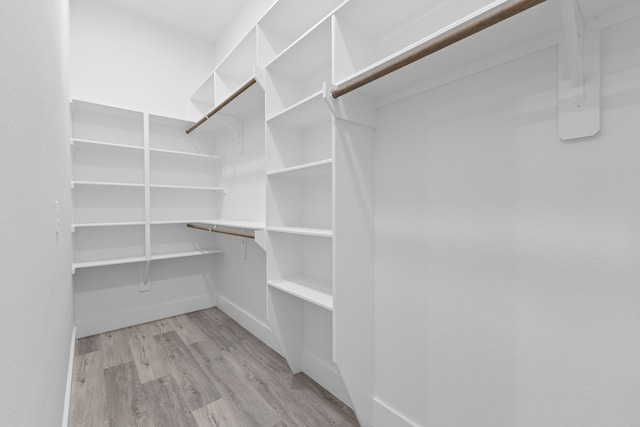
356	108
579	76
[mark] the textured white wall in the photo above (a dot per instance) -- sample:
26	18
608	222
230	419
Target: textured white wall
507	260
35	277
122	59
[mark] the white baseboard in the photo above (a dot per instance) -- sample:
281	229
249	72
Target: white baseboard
117	320
67	391
261	330
386	416
327	375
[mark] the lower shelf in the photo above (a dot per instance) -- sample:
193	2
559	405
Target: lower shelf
305	231
157	257
103	262
185	254
305	289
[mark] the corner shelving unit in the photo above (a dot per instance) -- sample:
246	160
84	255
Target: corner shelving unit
131	170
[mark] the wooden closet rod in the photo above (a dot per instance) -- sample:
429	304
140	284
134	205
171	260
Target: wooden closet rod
217	230
223	104
454	35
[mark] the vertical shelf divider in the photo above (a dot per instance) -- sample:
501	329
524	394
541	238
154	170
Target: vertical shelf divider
145	284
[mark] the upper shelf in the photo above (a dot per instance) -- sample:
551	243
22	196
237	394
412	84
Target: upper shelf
307	112
86	143
103	123
307	170
370	48
286	21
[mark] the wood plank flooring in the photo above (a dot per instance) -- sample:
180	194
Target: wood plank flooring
200	369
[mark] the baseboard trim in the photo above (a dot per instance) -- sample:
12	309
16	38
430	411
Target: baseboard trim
384	415
123	319
261	330
327	375
67	391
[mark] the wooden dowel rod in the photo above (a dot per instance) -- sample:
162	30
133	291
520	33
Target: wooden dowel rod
469	28
223	104
217	230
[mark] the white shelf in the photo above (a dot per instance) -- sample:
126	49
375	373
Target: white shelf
105	184
77	142
314	47
299	16
305	289
101	263
538	26
186	187
106	224
305	231
247	225
183	153
308	112
185	254
96	122
308	170
170	222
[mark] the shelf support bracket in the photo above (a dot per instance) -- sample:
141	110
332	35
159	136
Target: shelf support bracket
356	108
145	286
579	76
261	238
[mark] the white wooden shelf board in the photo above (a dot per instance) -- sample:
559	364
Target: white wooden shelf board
77	142
317	232
308	46
247	225
186	187
105	184
183	153
305	289
204	93
299	16
307	112
101	263
177	221
308	170
107	224
185	254
480	51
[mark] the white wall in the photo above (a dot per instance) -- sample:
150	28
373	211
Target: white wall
35	276
242	272
122	59
507	260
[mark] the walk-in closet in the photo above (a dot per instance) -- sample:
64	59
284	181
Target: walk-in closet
288	213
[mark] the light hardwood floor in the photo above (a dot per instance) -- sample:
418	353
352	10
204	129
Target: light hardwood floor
198	369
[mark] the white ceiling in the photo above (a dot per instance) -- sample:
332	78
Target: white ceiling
203	18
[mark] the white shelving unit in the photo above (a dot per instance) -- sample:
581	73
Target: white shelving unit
300	189
129	168
300	70
138	178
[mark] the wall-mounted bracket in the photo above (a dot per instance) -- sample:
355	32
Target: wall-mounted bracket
145	284
355	107
579	76
261	238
